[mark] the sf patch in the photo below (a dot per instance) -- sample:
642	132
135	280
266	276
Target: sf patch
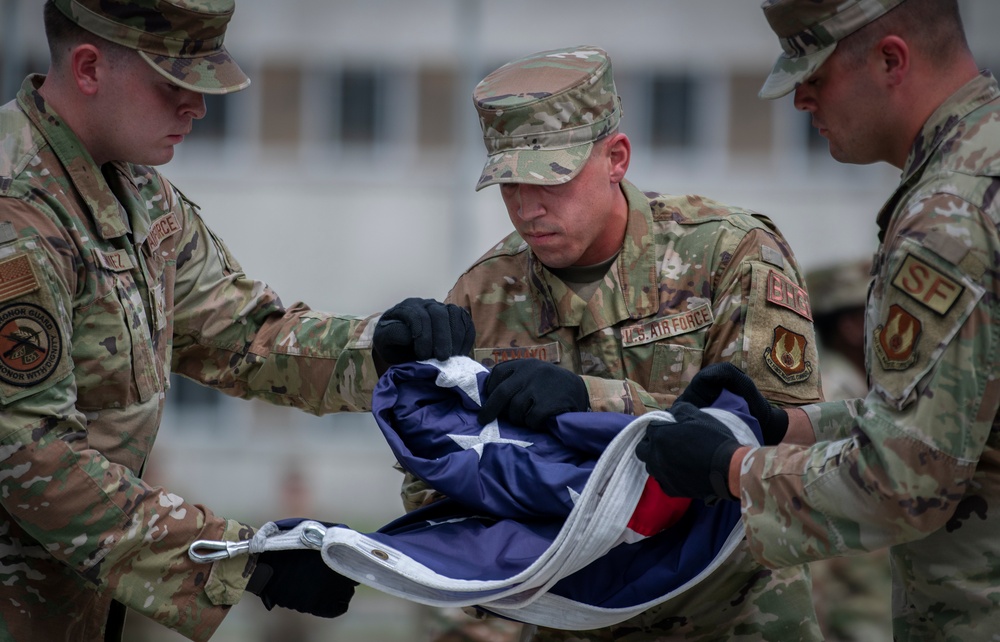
895	340
926	285
786	356
30	345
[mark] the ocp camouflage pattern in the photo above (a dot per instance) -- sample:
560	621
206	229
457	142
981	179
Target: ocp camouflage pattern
690	287
915	466
808	31
108	282
540	114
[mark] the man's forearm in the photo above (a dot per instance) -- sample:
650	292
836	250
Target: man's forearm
800	432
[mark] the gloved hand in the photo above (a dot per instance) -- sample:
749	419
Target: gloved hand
705	387
300	580
418	329
689	458
529	391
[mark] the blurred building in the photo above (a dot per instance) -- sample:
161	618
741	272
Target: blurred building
344	177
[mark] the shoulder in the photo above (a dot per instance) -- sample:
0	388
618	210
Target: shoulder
20	145
694	209
510	248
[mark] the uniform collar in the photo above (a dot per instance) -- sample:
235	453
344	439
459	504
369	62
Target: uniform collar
942	126
83	173
629	291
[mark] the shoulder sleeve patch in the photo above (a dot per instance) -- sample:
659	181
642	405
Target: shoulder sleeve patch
778	338
926	285
33	338
913	317
17	277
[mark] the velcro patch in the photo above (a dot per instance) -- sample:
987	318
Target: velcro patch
895	341
30	345
162	228
17	277
926	285
669	326
117	261
786	356
489	357
782	291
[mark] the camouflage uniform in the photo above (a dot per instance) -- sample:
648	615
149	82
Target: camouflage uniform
852	594
915	466
695	282
110	280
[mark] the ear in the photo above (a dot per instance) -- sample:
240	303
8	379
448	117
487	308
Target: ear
619	153
893	59
85	62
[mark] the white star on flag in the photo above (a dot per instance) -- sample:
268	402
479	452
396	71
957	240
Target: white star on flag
490	434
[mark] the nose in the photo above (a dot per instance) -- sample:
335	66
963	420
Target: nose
804	100
192	104
528	199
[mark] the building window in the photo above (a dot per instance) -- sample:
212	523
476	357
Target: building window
672	112
357	116
436	126
750	118
281	102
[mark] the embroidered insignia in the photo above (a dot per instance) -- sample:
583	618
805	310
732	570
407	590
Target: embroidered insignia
30	345
162	228
926	285
17	277
117	261
669	326
786	356
896	339
782	291
489	357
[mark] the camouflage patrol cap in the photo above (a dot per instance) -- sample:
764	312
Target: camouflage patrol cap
808	31
541	114
181	39
839	286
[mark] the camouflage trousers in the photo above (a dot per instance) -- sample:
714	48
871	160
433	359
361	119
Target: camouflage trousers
853	597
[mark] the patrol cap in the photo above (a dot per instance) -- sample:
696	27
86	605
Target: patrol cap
838	287
808	31
181	39
541	114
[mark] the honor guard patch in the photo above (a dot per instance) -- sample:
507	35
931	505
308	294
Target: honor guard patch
30	345
786	356
17	277
926	285
896	339
489	357
782	291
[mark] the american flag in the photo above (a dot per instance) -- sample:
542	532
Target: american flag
561	528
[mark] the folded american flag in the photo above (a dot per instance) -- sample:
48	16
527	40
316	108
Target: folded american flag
562	528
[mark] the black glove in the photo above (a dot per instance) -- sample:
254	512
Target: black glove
529	391
689	458
418	329
300	580
705	387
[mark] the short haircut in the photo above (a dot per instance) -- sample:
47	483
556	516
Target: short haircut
935	26
63	34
